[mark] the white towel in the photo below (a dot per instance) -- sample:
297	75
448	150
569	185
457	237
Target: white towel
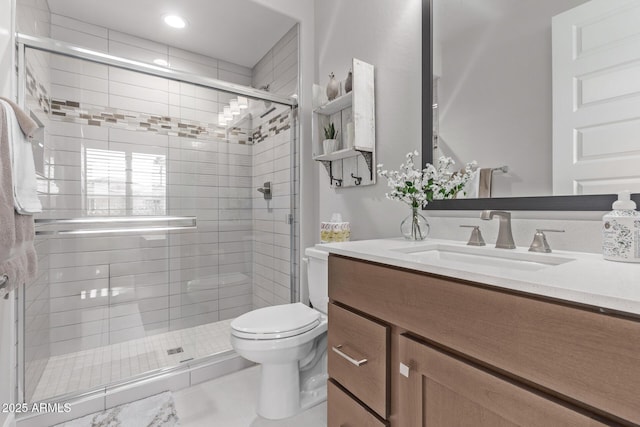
484	187
18	259
23	170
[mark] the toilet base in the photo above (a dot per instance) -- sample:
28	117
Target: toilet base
279	395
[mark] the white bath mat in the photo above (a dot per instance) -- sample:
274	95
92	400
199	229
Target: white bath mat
154	411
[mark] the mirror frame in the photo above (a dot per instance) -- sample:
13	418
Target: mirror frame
600	202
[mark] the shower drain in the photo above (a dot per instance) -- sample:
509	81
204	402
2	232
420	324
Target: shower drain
175	350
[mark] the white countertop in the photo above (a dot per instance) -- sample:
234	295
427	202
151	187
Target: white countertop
582	277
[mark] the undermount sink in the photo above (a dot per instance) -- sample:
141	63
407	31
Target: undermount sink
481	258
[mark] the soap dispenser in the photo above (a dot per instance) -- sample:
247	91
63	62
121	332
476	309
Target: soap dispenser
621	231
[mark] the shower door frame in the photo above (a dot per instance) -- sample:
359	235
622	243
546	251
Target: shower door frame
53	46
24	41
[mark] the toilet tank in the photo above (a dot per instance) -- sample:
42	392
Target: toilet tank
318	278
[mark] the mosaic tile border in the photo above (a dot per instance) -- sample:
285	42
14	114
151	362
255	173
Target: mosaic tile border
276	124
75	112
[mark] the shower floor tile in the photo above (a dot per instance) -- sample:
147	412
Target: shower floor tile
86	369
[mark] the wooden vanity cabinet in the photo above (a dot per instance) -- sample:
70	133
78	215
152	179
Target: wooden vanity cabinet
443	390
481	356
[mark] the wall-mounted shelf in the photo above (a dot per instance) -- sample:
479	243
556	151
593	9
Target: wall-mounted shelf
338	104
353	164
345	153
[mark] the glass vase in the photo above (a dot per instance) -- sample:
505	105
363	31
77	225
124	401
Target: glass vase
415	226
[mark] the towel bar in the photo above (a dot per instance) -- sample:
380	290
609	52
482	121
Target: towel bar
128	224
503	169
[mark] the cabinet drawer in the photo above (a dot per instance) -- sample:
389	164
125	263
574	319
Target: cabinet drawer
343	411
358	354
582	356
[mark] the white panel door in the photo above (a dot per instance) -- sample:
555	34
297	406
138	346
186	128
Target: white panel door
596	98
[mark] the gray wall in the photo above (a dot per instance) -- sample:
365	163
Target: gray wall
387	35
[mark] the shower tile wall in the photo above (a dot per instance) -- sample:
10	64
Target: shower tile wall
278	68
271	162
271	251
33	17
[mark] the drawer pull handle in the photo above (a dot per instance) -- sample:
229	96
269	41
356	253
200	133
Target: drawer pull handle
350	359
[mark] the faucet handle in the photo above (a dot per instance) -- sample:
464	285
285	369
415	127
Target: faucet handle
540	243
476	236
266	190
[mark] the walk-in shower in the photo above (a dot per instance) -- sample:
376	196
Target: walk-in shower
153	235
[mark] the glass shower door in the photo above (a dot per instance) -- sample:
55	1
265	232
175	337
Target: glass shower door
120	303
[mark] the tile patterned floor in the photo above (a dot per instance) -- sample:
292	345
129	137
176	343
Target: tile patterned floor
230	401
87	369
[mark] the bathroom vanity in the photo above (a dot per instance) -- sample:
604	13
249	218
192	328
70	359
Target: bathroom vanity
413	342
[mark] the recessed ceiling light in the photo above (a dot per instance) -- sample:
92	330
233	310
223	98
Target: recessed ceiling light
175	21
161	62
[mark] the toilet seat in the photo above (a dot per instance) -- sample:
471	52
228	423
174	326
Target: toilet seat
280	321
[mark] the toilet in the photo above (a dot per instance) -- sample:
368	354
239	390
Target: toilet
290	342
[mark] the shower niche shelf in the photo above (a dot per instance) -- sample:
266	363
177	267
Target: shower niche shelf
353	164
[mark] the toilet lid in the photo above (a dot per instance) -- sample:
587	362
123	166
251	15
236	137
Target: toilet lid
280	321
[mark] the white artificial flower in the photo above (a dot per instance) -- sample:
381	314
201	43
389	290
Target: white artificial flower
417	187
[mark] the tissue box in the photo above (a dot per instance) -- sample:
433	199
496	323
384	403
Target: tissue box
334	232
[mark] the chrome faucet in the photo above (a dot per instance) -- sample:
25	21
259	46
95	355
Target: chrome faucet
540	243
505	236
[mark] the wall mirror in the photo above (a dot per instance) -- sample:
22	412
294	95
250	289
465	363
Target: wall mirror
543	95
